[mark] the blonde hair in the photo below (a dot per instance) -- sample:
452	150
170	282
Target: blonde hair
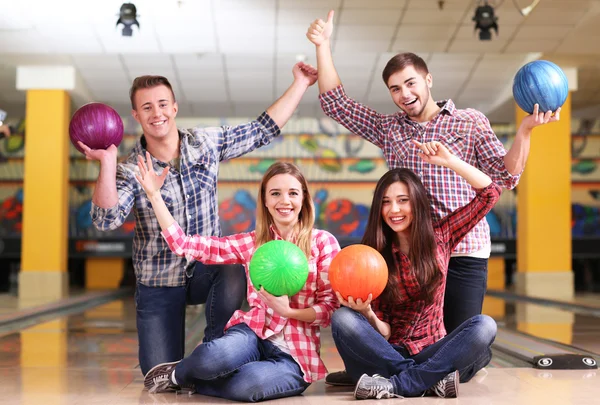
306	218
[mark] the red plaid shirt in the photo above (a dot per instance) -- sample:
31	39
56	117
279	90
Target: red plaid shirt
302	338
467	133
414	323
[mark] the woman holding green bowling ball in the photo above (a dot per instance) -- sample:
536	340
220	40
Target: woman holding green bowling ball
272	350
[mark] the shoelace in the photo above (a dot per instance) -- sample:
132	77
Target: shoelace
379	390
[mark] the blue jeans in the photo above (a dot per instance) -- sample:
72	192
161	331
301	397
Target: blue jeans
364	350
465	288
160	311
242	367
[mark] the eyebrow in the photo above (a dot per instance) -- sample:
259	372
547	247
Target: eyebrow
160	101
406	81
399	195
276	189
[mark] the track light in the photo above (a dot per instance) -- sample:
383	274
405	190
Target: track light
485	20
128	17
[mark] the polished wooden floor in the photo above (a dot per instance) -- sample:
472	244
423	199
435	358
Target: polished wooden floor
91	358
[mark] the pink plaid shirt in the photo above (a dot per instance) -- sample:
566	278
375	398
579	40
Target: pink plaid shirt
467	133
302	338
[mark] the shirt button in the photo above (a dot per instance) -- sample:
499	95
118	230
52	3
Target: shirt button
187	195
189	216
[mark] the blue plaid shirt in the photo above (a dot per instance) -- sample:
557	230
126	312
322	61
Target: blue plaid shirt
190	194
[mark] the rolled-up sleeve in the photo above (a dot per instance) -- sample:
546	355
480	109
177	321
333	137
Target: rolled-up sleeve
490	156
108	219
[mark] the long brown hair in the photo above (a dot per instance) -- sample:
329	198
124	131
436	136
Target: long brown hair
306	219
422	247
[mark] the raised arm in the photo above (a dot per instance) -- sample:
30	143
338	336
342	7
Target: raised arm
282	109
319	33
437	154
105	193
517	155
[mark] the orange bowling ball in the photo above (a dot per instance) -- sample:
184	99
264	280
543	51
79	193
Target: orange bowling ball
357	271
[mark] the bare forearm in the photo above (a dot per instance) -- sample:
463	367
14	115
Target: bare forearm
282	109
517	155
305	315
164	217
382	327
105	193
328	76
475	177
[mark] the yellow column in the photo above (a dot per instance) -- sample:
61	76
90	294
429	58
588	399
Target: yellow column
493	306
103	272
544	254
45	190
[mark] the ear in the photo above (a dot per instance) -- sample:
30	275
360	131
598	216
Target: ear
135	116
429	80
175	108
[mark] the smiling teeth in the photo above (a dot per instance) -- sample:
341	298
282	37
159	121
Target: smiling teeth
158	123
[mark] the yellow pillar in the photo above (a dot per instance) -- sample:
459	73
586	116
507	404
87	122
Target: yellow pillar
544	253
45	190
544	263
103	272
492	306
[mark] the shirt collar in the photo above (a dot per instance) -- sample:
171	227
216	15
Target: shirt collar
446	107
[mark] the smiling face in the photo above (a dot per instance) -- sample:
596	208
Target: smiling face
283	199
411	92
396	210
155	110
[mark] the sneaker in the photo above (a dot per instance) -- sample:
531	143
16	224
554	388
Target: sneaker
376	387
158	379
447	387
340	378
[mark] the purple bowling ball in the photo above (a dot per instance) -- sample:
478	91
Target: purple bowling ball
96	125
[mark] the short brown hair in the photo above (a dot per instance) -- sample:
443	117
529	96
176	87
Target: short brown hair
148	82
400	62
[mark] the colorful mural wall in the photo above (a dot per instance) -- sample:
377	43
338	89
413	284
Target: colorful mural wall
342	170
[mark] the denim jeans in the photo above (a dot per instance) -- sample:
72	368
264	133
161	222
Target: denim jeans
160	311
465	288
364	350
242	367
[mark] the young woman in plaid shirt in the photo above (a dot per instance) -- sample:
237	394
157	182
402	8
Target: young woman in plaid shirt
271	351
396	345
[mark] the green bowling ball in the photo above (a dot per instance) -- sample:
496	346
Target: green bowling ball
280	267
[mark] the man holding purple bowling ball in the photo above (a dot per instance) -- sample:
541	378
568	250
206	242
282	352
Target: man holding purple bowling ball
166	282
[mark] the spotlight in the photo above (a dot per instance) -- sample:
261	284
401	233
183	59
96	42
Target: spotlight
127	17
485	20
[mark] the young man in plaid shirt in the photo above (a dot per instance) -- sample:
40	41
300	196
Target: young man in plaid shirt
167	282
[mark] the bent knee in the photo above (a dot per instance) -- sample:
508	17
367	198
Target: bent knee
486	329
345	321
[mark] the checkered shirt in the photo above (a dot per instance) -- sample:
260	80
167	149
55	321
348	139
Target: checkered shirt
302	338
467	133
190	194
414	323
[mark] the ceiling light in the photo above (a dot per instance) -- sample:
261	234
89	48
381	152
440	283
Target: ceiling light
127	17
485	20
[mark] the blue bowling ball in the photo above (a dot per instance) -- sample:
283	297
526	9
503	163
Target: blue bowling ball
540	82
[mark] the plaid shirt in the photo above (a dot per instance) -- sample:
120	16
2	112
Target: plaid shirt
302	338
190	193
467	133
414	323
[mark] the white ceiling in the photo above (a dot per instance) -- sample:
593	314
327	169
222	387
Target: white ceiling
234	57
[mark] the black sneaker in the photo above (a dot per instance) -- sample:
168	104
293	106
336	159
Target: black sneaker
376	387
158	379
340	378
447	387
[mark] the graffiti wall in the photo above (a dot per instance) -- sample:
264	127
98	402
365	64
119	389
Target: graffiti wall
342	170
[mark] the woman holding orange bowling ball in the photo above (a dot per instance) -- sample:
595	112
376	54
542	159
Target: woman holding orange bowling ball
396	345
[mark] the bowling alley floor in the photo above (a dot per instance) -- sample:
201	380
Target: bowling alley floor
91	358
